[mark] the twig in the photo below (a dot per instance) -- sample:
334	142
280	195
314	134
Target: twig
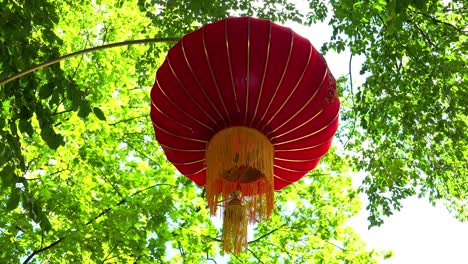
137	259
181	250
208	258
107	209
213	238
259	260
85	51
238	259
352	98
115	246
62	112
267	234
437	21
335	245
128	119
78	66
139	151
423	34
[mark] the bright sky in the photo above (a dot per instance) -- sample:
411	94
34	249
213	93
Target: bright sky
419	233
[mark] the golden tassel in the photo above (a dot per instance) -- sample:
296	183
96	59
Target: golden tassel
235	226
241	158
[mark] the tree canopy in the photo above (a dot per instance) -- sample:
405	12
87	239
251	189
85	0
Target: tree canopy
83	180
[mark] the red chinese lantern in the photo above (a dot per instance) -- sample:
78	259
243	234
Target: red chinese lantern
244	107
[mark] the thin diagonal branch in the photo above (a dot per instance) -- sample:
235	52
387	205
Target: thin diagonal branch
428	40
137	259
115	246
85	51
267	234
41	250
258	259
128	119
139	151
438	21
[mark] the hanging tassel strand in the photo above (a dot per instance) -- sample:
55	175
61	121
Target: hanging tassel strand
235	226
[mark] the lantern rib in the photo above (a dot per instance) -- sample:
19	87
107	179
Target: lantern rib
181	150
304	106
291	170
212	74
248	72
168	117
294	160
294	89
264	74
305	148
283	179
188	94
198	81
303	124
311	134
187	163
229	64
281	80
178	108
179	136
200	170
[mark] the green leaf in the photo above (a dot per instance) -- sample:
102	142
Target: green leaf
26	127
52	139
99	114
8	176
14	199
46	90
2	123
45	223
85	109
25	113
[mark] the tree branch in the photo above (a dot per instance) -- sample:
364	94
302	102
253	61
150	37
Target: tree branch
62	112
267	234
352	97
139	151
107	209
259	260
42	249
428	40
128	119
238	259
181	250
137	259
438	21
115	246
208	258
85	51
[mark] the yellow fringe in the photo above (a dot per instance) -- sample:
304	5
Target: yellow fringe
241	158
235	227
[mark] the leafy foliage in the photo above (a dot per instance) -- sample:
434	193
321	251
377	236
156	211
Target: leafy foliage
411	112
83	181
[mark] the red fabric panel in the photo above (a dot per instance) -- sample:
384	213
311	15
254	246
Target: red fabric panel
248	72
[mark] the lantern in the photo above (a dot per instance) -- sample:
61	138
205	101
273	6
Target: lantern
244	107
